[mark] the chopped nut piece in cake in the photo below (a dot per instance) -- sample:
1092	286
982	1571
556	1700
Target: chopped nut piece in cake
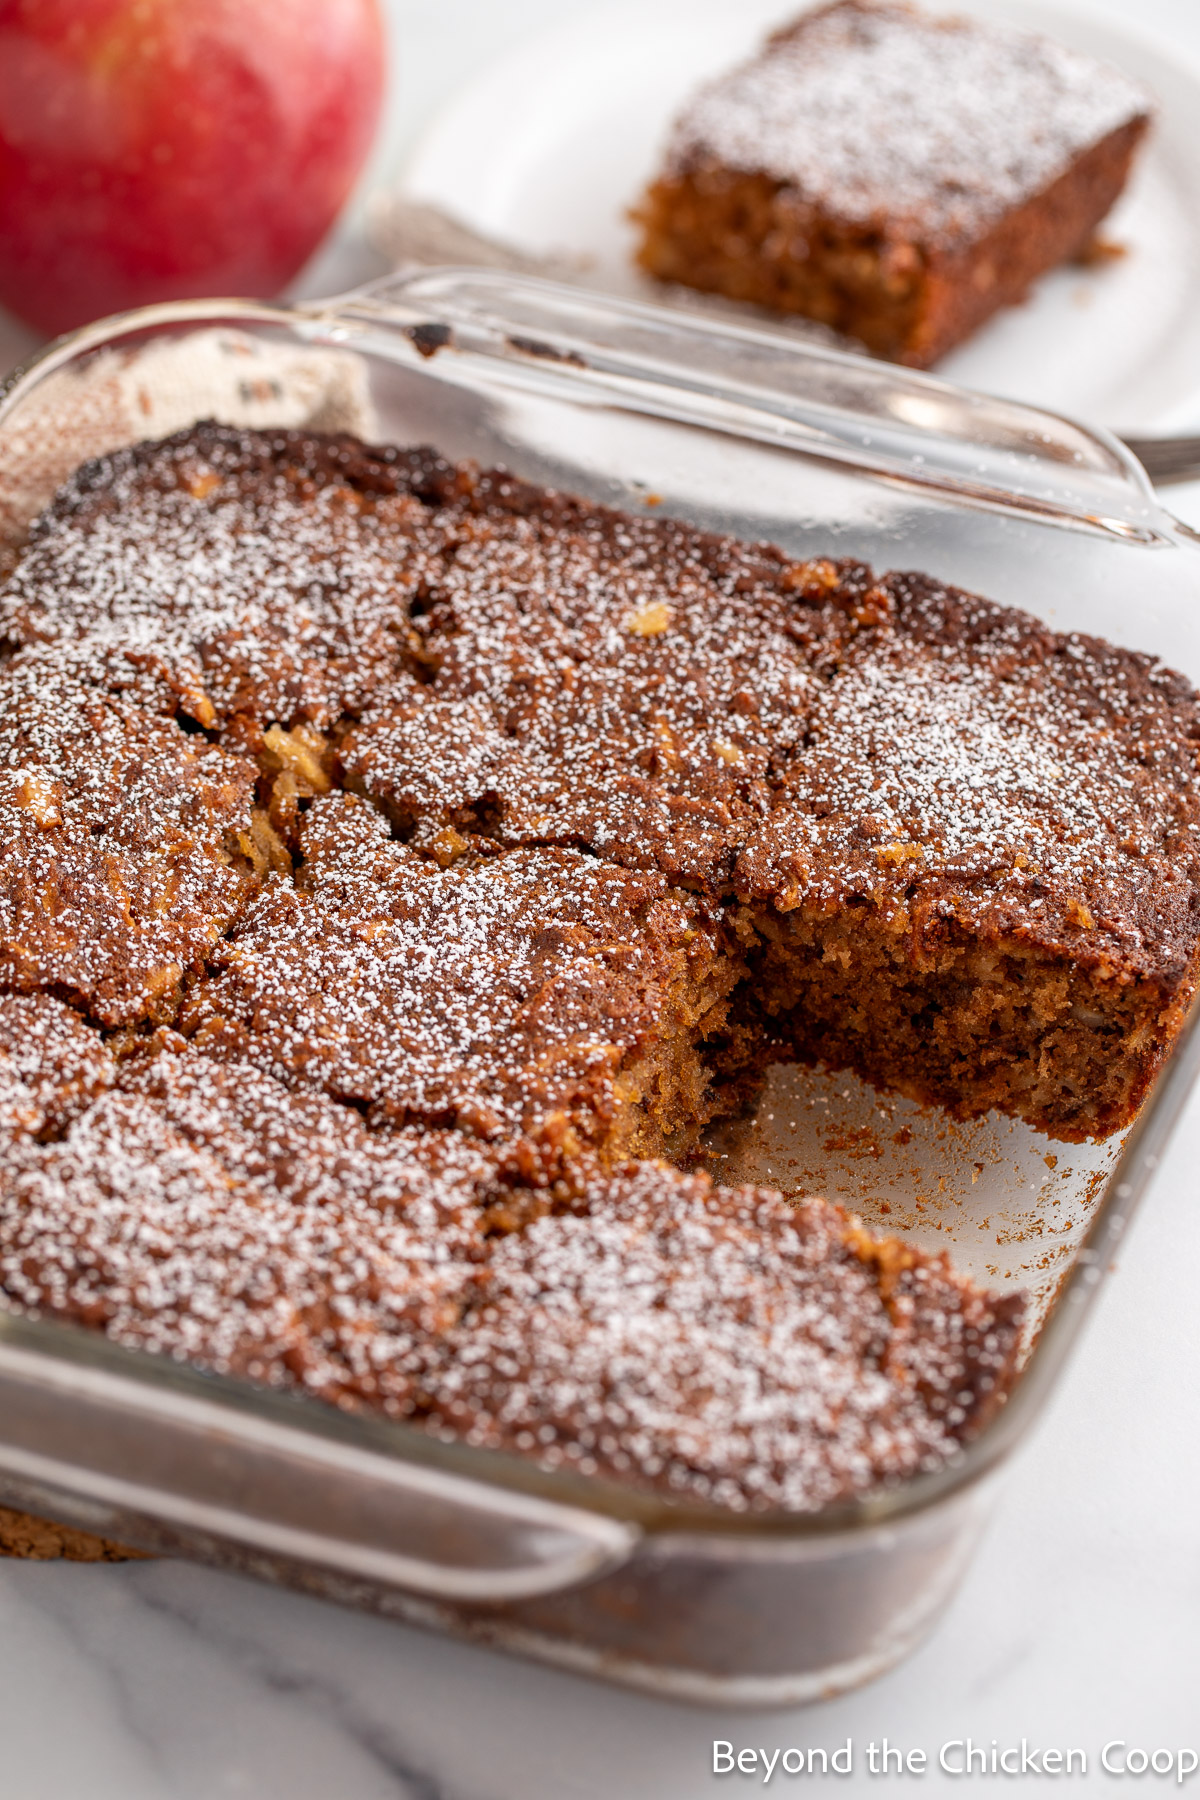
896	176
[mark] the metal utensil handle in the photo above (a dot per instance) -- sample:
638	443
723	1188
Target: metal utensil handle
1167	459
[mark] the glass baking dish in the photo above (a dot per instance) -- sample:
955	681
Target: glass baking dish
765	437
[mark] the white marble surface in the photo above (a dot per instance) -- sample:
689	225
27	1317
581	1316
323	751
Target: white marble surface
1077	1624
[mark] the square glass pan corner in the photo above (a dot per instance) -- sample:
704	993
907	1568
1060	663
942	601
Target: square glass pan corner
739	431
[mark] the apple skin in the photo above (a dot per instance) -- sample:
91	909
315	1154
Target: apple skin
163	149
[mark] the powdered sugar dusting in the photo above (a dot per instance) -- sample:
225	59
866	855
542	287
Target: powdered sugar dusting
1038	785
929	128
798	732
252	586
675	1334
128	1224
51	1065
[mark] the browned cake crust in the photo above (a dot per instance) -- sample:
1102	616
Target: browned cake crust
897	177
636	808
905	790
39	1540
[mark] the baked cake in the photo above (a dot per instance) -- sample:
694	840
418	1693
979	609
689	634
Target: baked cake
400	857
713	1344
896	176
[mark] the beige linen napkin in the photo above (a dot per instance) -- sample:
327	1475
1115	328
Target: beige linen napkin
119	397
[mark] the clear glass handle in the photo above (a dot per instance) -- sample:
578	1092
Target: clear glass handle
166	1451
886	421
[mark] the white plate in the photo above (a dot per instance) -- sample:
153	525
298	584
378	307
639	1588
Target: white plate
550	147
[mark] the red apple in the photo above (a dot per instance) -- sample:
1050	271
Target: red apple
156	149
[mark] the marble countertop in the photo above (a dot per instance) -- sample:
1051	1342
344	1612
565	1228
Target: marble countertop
1076	1625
